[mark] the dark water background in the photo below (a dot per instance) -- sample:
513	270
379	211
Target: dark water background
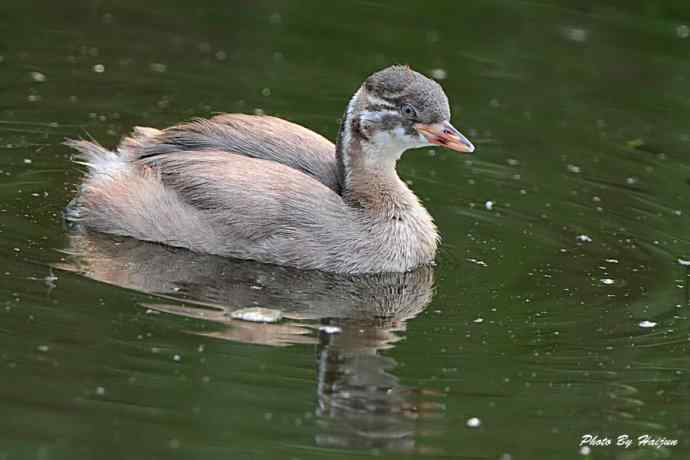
580	112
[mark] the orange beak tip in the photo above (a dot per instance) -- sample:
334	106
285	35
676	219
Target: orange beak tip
445	135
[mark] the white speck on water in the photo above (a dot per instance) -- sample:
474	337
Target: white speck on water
574	169
330	329
607	281
478	320
495	103
473	422
177	358
257	315
28	161
611	261
150	311
489	205
647	324
439	74
585	450
50	279
682	31
677	212
266	92
684	262
100	391
33	97
99	68
43	348
631	180
478	262
38	77
575	34
221	55
584	238
158	67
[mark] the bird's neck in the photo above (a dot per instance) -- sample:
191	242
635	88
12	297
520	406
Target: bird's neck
366	171
345	144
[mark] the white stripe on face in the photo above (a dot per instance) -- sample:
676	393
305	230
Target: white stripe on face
375	100
378	115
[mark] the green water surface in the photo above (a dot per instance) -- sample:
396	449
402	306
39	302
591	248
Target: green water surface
559	309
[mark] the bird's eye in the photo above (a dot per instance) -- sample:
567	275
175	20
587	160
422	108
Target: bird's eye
408	111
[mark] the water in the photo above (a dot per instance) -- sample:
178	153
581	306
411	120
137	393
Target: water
555	311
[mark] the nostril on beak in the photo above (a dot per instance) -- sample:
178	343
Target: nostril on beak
447	131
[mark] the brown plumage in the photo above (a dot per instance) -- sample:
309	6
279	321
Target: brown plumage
265	189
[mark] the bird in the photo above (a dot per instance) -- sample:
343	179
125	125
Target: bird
261	188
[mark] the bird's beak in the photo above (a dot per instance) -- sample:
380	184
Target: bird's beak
446	135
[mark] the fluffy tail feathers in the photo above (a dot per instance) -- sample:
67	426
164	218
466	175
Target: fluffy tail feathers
101	160
122	196
96	158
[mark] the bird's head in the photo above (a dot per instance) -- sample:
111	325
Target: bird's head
397	109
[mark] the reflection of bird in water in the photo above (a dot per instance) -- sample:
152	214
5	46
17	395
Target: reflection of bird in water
361	403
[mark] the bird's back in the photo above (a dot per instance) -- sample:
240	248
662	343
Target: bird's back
261	137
